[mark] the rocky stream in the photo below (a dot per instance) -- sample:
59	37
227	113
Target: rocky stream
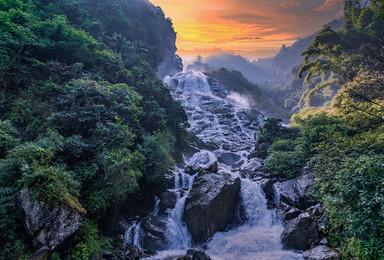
222	203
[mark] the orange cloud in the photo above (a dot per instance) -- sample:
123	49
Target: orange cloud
254	28
329	5
286	4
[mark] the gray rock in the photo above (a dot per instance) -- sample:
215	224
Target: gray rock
168	200
293	192
321	252
253	165
48	227
299	232
154	233
192	169
211	204
229	158
198	254
323	223
213	168
40	254
292	213
324	242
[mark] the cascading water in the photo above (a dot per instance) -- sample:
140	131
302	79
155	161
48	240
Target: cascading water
177	232
132	235
225	125
257	238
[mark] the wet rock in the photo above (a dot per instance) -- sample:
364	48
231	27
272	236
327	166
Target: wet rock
324	242
211	204
293	192
321	252
168	200
49	227
106	254
192	169
170	181
217	88
133	252
42	253
317	210
198	254
253	165
154	233
213	168
292	213
299	232
268	189
323	224
229	158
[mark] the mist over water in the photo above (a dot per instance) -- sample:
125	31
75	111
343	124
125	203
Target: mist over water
225	123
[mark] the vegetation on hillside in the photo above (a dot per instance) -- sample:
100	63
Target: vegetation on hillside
344	141
83	118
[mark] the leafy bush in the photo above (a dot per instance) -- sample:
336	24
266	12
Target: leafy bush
88	241
358	205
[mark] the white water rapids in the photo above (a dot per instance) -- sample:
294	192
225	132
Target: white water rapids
225	126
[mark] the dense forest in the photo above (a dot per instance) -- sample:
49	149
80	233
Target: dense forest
84	121
343	141
87	125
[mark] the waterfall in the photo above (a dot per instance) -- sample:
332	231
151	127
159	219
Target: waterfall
177	232
132	235
225	124
257	237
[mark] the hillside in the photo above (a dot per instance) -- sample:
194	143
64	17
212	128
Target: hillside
85	124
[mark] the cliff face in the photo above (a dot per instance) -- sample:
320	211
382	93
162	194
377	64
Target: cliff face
171	63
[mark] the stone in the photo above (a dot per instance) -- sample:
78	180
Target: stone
154	233
49	227
211	204
198	254
323	224
293	192
292	213
299	232
40	254
192	169
105	254
321	252
133	252
229	158
324	242
213	168
253	165
168	200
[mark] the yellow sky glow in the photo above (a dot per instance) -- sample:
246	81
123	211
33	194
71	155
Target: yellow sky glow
251	28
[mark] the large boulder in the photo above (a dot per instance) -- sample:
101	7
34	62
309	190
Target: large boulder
300	232
211	204
168	200
293	192
49	227
321	252
153	233
198	254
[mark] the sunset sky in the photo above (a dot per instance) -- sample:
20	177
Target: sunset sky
251	28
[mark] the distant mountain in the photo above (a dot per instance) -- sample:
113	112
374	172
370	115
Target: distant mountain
281	65
253	72
276	69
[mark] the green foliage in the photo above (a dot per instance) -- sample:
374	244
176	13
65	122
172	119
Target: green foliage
88	241
157	149
271	131
80	110
358	205
285	164
122	170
